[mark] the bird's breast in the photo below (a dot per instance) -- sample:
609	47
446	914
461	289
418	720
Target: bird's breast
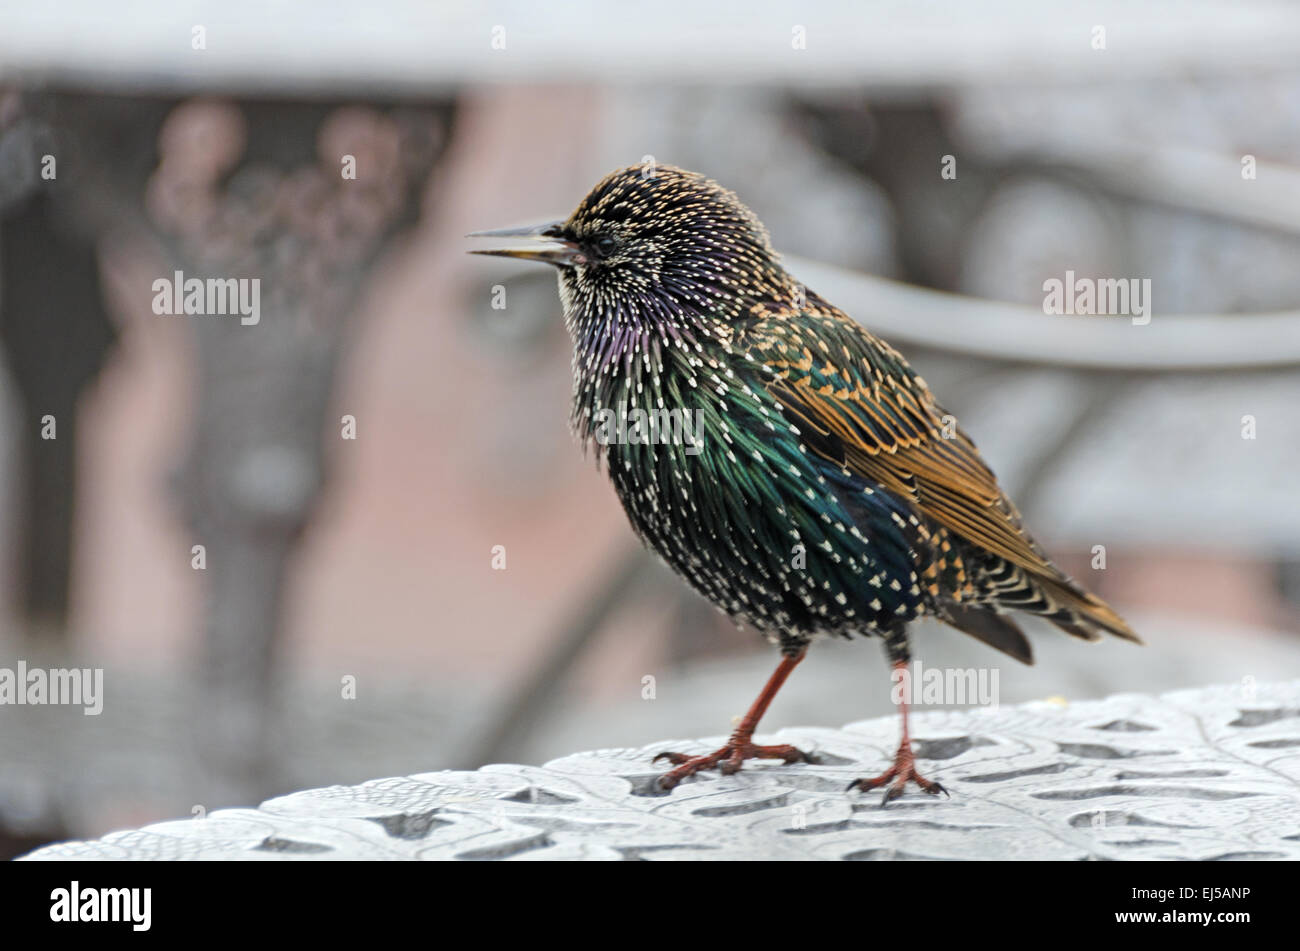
717	482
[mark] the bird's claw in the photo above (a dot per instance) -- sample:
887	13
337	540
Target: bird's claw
902	772
727	760
675	758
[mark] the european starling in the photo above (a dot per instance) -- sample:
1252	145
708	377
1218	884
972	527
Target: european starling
823	490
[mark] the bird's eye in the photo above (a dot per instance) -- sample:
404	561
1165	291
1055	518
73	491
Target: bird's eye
604	246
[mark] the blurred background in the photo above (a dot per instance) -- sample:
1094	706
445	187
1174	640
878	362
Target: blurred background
351	463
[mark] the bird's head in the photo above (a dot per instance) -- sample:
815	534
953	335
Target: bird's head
655	244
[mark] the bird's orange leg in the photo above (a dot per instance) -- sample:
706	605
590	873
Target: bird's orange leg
904	769
741	746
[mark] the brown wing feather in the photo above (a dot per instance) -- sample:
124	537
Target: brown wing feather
865	408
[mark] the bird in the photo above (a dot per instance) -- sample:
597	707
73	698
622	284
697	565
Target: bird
822	491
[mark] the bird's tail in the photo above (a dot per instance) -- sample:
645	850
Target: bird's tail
1082	613
1053	596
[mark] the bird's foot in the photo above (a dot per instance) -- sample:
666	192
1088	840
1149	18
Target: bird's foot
902	772
727	760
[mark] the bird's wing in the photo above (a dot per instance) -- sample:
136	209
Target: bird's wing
859	404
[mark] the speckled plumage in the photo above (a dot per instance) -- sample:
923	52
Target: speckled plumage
831	495
819	439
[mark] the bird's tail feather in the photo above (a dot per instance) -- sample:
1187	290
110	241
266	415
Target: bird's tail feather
1083	614
995	630
1051	595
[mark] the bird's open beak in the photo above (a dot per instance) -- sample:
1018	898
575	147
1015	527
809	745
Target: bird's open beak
555	251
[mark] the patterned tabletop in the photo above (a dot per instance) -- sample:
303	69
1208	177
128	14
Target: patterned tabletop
1211	773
